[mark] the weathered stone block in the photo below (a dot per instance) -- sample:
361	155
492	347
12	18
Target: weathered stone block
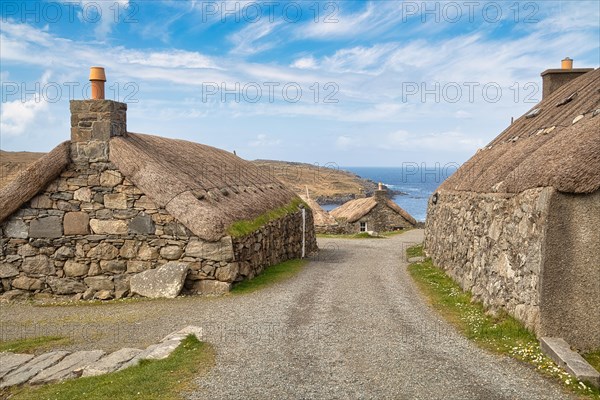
171	252
217	251
64	253
46	227
76	223
32	368
114	266
111	362
11	361
7	270
103	251
16	228
26	283
138	266
27	250
110	178
211	287
228	273
145	202
99	283
129	249
147	252
65	285
41	201
38	266
68	368
142	224
108	227
104	295
84	194
73	268
115	201
165	281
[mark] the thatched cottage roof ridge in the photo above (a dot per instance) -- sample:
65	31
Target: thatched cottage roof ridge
353	210
33	179
320	216
557	146
205	188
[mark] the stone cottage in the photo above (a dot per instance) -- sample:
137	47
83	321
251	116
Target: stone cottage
372	214
324	222
518	223
109	204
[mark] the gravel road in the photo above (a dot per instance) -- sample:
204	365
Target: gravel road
351	325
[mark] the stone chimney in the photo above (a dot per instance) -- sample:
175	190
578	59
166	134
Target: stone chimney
380	194
95	121
552	79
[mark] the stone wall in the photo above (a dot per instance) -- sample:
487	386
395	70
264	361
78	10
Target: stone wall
277	241
492	245
88	231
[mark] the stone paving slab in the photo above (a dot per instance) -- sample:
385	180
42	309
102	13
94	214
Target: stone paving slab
560	352
69	367
32	368
12	361
111	362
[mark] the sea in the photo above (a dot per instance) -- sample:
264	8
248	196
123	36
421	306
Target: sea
416	182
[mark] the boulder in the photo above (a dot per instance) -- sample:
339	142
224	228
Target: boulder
65	285
27	283
97	283
165	281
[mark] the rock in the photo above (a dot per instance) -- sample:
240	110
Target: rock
12	361
108	227
46	227
129	249
110	178
94	269
84	194
41	201
183	333
165	281
113	266
416	259
73	268
211	287
104	295
8	271
145	203
171	252
147	252
27	250
125	214
76	223
228	273
32	368
103	251
217	251
142	224
16	228
99	283
137	266
69	367
38	266
16	294
111	362
65	285
115	201
64	253
88	294
26	283
560	352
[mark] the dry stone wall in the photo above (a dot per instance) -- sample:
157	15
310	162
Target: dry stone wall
492	245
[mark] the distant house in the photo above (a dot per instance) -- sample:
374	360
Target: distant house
377	213
518	223
324	222
109	204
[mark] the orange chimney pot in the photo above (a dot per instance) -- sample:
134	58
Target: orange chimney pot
97	78
567	63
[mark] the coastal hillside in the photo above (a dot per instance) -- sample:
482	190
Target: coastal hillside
325	184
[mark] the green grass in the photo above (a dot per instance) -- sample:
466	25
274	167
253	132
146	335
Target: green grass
415	251
269	276
29	345
245	227
593	358
500	333
150	380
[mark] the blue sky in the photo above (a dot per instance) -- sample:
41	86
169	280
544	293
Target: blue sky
362	83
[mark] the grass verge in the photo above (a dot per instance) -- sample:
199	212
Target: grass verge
593	358
152	379
269	276
245	227
499	333
29	345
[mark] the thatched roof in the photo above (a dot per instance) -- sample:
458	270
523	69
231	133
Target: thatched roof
558	147
354	210
33	179
205	188
320	216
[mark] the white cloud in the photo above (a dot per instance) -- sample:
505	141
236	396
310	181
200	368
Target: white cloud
305	63
249	39
263	140
18	116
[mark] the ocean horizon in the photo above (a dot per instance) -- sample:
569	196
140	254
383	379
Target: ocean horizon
417	182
